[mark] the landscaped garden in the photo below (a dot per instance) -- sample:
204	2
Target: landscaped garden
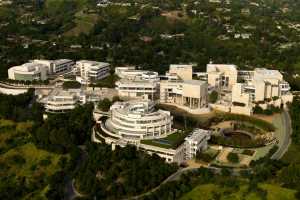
243	134
207	156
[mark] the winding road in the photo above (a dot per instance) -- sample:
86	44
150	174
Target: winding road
287	135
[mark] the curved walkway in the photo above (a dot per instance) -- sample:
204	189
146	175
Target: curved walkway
286	140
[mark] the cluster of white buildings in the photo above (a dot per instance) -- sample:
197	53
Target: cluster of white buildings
175	87
86	71
60	100
238	91
136	120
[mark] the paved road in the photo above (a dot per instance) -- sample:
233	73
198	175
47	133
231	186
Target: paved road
70	191
287	136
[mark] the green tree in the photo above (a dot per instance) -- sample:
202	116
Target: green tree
233	157
104	105
213	97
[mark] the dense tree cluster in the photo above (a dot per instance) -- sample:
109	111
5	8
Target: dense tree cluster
71	85
123	172
294	112
61	132
20	107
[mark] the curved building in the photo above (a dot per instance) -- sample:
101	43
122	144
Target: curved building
137	120
28	72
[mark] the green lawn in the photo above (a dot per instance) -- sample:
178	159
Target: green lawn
276	192
171	141
209	191
289	156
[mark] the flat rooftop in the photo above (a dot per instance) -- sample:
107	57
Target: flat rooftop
194	82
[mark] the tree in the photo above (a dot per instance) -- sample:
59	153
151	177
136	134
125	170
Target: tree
104	105
213	97
71	85
233	157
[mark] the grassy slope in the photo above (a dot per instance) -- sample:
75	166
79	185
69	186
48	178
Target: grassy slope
289	156
84	24
31	170
33	156
207	191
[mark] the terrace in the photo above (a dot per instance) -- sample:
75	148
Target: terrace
170	142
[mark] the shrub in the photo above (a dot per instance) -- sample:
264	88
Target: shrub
18	159
238	104
233	157
71	85
213	97
248	152
45	162
104	105
204	157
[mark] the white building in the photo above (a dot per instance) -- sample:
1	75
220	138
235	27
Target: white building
261	86
195	142
240	91
28	72
137	84
137	120
132	73
188	93
57	66
60	101
92	71
221	76
183	71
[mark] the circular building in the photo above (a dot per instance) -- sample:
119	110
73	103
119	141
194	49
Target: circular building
137	120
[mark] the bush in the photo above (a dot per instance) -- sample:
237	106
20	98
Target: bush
213	97
233	157
248	152
206	157
104	105
272	150
269	111
18	159
45	162
238	104
71	85
108	82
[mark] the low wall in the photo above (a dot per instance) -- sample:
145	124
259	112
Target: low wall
220	107
241	110
12	91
